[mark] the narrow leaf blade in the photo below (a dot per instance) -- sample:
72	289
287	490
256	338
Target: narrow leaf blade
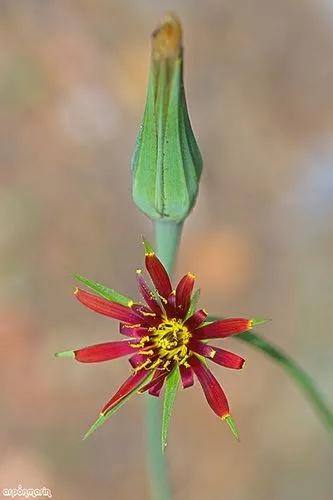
171	386
304	381
107	293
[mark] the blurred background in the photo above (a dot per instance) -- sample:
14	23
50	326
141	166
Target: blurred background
259	79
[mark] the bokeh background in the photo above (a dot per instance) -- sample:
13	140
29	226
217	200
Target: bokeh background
259	79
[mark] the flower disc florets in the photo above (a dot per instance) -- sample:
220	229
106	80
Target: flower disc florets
167	343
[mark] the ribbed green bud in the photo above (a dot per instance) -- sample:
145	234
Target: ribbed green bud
167	163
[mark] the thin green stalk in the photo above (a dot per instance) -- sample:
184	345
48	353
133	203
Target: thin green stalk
167	237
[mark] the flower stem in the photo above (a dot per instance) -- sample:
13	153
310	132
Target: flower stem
167	237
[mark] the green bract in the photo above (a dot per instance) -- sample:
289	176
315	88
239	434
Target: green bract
167	163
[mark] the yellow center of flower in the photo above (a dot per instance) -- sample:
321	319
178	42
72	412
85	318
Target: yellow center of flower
166	343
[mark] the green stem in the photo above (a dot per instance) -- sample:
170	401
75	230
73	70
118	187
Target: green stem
167	237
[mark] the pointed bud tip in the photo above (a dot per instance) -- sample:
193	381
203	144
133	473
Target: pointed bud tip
259	321
167	38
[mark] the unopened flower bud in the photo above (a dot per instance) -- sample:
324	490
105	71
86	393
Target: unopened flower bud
167	163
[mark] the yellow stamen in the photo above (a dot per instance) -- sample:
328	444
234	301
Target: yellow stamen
163	299
147	353
141	343
156	363
143	365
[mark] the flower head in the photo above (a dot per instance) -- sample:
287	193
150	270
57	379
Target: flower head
164	335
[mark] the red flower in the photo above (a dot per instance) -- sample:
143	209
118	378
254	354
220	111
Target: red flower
163	334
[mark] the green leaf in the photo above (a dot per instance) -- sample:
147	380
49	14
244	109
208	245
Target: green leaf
105	292
298	374
193	304
103	418
171	386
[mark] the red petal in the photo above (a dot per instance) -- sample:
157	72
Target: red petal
219	356
103	352
196	319
145	315
170	305
137	360
156	390
158	274
186	374
184	291
147	294
158	378
213	391
129	385
227	359
106	307
223	328
201	348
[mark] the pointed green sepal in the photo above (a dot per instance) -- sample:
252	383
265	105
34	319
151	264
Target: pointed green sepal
65	354
259	321
193	304
147	246
104	417
100	421
232	426
171	387
103	291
